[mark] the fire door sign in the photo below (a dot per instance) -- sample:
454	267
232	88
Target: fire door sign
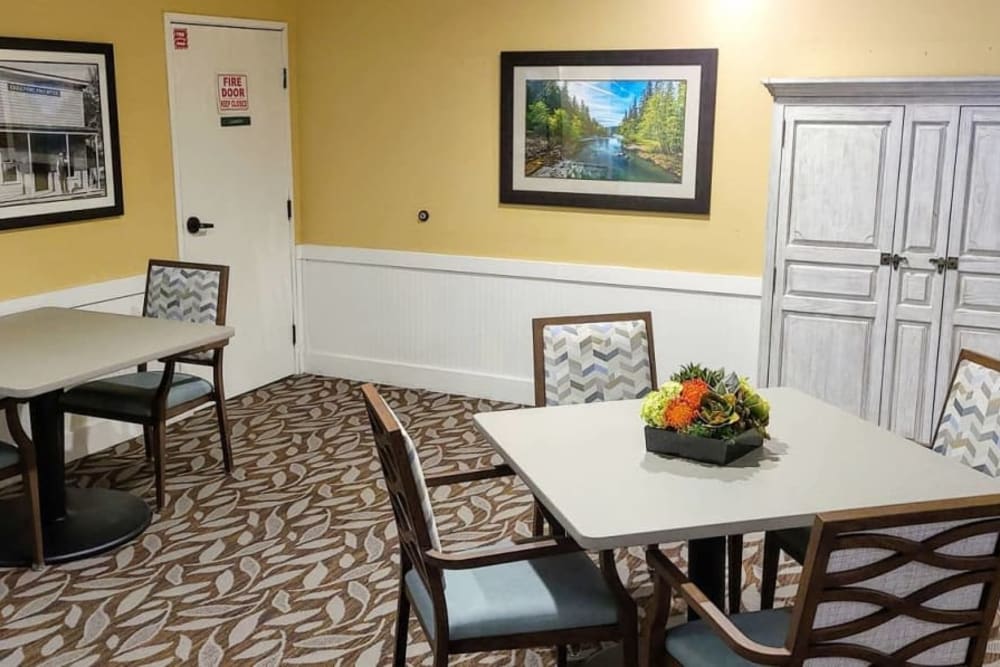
233	93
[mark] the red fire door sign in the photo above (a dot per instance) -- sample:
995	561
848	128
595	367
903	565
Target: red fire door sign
180	38
233	93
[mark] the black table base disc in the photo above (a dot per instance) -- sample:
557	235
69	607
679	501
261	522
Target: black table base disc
96	520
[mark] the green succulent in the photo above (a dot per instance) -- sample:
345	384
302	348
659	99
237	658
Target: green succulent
699	372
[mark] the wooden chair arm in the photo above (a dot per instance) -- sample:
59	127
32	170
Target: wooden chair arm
733	637
469	476
20	438
500	555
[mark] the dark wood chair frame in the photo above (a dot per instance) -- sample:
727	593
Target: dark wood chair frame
538	324
154	427
836	530
417	553
776	542
28	468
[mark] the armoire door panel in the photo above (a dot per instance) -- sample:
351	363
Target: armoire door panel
909	402
827	318
846	343
830	158
971	315
846	282
931	153
916	289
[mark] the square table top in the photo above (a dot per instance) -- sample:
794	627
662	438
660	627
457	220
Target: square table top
46	349
589	466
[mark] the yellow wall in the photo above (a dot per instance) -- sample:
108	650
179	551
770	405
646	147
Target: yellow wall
400	102
42	259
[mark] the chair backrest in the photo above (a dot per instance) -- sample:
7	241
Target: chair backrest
405	483
969	427
588	358
188	292
901	585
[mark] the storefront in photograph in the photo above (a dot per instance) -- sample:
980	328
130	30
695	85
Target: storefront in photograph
48	150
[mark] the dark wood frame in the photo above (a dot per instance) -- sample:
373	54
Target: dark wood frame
28	467
707	59
418	553
794	541
837	530
154	427
112	152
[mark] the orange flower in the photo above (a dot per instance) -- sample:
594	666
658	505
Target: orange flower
678	414
692	391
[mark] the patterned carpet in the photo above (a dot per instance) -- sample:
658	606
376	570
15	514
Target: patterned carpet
289	562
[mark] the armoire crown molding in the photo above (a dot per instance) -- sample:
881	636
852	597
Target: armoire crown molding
970	87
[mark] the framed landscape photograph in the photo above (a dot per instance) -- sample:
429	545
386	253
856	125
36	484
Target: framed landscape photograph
608	129
59	153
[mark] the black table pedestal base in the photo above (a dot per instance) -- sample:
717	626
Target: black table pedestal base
96	520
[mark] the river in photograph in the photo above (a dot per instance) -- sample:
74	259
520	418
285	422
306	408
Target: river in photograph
604	158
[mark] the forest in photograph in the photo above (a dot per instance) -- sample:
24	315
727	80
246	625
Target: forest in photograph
625	130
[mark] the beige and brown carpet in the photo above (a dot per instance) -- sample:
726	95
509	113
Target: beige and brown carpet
289	562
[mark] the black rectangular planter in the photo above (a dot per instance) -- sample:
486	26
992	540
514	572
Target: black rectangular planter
696	448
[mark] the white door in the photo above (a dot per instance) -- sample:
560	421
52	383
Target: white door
837	200
230	120
916	289
971	316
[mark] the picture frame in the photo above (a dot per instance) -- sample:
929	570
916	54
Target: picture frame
630	130
60	158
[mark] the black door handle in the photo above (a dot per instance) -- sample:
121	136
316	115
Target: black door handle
194	225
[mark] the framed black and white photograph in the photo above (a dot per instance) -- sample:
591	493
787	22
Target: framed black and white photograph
608	129
59	154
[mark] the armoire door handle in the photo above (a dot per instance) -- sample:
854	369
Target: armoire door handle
939	263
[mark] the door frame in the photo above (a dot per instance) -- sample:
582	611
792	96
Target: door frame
256	24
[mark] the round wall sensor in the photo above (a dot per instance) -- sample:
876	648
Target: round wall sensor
423	215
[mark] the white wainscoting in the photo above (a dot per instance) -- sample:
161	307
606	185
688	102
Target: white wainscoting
124	296
463	324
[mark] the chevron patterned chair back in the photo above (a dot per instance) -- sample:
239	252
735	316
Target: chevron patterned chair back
969	428
187	292
588	358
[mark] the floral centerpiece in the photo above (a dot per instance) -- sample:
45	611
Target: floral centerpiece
705	414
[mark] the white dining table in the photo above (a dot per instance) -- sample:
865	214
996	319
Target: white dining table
588	465
43	352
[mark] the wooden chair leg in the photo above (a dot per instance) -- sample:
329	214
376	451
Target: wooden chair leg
147	439
657	614
223	418
30	477
160	464
538	521
735	543
562	656
441	655
402	625
769	571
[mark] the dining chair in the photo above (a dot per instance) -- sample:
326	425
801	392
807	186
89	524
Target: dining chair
181	291
902	585
590	358
20	457
541	592
968	429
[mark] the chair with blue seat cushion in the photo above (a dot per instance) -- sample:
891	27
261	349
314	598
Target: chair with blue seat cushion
20	457
910	584
968	431
544	592
180	291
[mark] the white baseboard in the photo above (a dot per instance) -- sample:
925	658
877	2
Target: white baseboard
124	296
462	324
416	376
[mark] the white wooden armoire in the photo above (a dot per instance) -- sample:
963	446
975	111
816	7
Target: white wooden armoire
883	241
